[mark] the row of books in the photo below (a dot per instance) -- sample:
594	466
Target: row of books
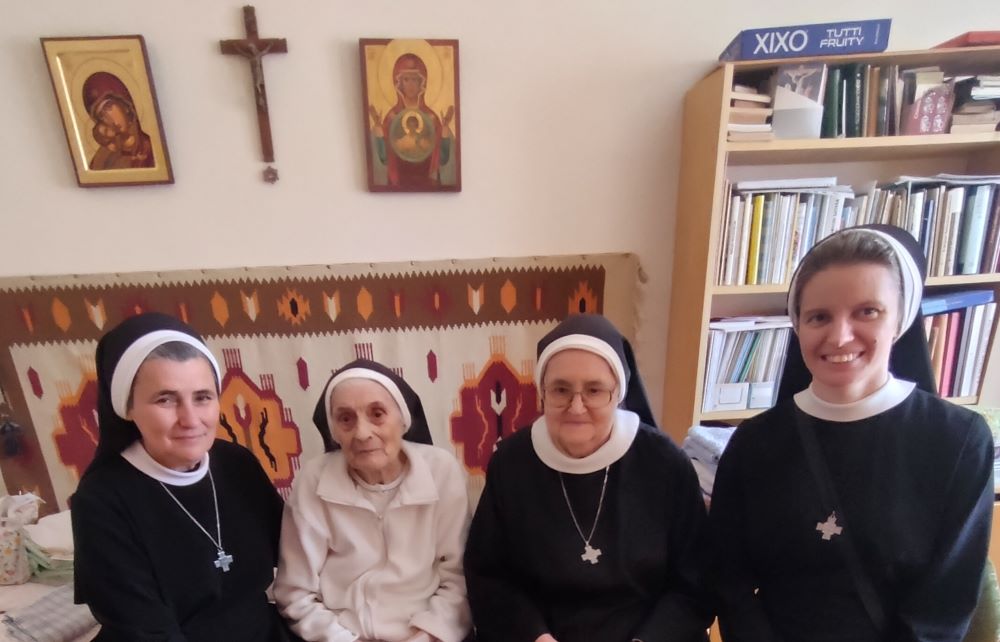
813	100
769	225
745	358
767	231
955	219
958	327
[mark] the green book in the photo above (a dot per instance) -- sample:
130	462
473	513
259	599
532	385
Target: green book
831	105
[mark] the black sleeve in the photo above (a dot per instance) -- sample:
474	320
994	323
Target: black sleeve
741	615
684	611
939	605
501	610
114	574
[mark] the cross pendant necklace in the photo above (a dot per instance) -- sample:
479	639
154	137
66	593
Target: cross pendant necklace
590	554
224	560
829	528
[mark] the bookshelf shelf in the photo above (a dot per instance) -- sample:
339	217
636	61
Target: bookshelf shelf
963	279
710	161
876	148
782	288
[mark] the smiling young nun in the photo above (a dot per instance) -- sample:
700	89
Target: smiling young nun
859	507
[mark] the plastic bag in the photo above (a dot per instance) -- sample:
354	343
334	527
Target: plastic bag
15	512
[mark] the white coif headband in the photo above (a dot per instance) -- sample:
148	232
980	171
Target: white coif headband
912	283
371	375
587	343
135	354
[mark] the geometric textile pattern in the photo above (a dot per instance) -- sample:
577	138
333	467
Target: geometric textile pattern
255	417
461	332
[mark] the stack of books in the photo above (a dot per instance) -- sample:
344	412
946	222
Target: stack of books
749	115
987	87
745	358
958	327
975	116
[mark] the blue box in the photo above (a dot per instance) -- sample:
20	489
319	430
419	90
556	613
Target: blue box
828	39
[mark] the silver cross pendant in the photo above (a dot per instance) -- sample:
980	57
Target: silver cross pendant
590	554
829	528
223	561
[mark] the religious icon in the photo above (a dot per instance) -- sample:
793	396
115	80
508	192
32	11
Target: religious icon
411	114
105	93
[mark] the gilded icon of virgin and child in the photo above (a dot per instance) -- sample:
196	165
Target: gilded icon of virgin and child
411	115
122	142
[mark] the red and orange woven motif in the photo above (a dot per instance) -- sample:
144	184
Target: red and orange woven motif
462	333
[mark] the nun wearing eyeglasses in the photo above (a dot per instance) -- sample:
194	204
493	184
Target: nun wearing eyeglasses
589	526
373	534
858	508
175	532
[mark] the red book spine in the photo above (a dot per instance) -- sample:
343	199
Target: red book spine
950	347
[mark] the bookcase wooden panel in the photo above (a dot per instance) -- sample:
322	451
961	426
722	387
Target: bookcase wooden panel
708	160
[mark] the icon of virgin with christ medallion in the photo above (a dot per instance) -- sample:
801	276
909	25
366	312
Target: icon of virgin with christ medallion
411	114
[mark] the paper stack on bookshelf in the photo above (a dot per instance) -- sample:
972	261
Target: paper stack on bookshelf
769	225
958	327
745	359
749	115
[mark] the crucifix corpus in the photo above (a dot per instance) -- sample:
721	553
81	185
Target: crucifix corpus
254	48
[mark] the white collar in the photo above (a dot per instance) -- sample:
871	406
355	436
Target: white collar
136	455
890	395
336	485
623	431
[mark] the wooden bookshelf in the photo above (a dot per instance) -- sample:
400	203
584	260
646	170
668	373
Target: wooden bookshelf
709	160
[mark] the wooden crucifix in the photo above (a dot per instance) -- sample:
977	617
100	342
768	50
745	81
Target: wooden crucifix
254	48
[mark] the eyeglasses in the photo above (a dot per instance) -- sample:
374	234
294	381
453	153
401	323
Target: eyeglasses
592	397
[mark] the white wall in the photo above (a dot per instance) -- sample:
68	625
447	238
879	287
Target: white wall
570	125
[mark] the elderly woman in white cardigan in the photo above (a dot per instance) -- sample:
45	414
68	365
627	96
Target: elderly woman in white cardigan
373	534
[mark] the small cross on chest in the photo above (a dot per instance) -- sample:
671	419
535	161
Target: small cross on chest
223	561
829	528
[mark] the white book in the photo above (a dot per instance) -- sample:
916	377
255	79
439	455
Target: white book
716	340
972	350
915	213
787	183
986	329
798	236
956	202
970	246
740	278
962	353
730	256
748	128
778	354
786	223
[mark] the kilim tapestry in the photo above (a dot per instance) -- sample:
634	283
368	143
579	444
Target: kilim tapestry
462	333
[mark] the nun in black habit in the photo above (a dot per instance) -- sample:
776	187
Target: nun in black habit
589	527
859	507
175	533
